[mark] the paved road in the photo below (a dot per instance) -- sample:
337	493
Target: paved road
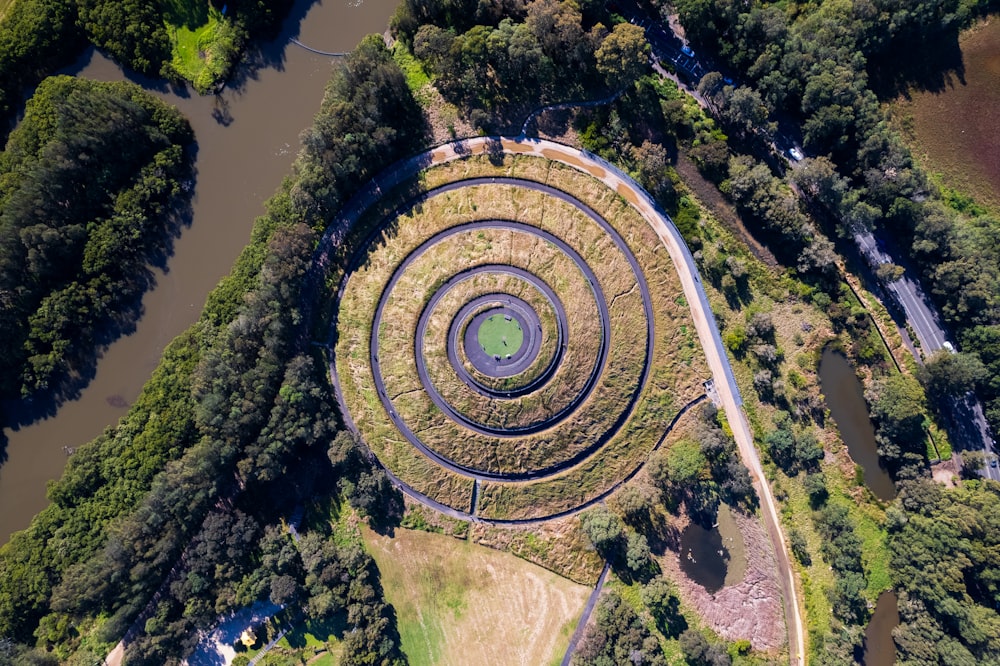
587	610
968	426
704	320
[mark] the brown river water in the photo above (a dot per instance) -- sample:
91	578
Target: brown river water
247	138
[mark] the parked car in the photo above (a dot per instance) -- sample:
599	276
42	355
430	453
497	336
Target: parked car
796	154
686	50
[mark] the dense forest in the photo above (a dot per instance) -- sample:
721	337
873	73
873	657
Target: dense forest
825	67
93	187
496	61
828	67
39	36
185	496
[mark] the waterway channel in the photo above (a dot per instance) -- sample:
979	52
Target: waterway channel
849	410
247	138
879	649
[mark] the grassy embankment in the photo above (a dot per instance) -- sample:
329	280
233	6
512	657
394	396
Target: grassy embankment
461	603
203	42
630	446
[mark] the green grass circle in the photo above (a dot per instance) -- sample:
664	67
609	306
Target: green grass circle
500	335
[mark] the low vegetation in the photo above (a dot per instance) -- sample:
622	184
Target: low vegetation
461	603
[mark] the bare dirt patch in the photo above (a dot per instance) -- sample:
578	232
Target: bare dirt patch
957	132
750	608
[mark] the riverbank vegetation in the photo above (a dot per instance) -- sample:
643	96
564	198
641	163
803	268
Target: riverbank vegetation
185	496
795	63
175	39
94	185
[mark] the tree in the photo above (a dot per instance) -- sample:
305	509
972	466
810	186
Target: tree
604	529
637	554
623	55
947	375
699	652
617	636
661	598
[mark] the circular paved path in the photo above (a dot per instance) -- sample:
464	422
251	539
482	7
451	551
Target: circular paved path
567	411
704	321
533	343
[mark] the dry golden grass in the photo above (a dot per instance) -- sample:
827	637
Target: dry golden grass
460	603
439	323
498	246
678	365
558	545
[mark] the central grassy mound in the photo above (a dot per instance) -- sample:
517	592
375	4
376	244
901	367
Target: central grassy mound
500	335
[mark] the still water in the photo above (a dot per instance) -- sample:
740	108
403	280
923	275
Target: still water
879	648
247	138
845	398
716	557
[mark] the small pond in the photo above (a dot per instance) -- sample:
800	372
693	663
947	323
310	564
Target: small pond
714	558
879	648
848	408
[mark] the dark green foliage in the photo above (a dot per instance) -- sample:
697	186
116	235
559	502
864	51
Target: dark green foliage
132	31
769	202
793	453
604	529
799	546
945	557
617	636
815	64
368	120
36	37
947	375
661	598
842	550
498	60
897	403
698	651
74	274
205	458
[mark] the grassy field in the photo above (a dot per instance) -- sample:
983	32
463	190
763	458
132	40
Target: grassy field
956	133
460	603
203	42
500	335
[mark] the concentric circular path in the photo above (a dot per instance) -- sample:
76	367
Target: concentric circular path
696	300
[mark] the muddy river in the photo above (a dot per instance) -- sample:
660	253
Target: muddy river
849	410
247	138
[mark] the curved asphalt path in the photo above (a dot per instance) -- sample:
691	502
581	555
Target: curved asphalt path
512	309
443	404
680	254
